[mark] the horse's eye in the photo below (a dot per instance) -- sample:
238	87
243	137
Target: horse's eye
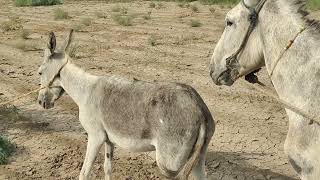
229	23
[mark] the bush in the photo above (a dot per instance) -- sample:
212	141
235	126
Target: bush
152	5
313	5
6	149
195	23
124	20
60	14
219	1
37	2
194	8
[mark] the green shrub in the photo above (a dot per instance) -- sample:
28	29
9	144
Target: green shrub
227	2
6	149
60	14
195	23
313	5
37	2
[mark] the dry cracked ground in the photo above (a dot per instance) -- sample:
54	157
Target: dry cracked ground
251	128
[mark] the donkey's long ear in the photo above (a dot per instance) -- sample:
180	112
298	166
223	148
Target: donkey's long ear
52	42
67	41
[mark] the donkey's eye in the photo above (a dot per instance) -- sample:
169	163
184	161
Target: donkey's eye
229	23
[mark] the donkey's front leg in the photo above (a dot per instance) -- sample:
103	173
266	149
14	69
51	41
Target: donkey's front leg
93	146
109	147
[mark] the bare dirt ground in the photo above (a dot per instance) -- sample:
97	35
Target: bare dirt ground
251	128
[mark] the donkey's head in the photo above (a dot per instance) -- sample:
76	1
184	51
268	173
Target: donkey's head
53	62
239	50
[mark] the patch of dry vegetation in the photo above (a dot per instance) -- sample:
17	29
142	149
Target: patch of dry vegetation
60	14
14	23
25	33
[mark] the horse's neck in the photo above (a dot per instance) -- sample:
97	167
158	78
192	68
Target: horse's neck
77	83
296	77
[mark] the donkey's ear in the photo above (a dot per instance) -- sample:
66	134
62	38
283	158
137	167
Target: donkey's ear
52	42
67	41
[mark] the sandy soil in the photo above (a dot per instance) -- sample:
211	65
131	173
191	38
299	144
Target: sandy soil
251	128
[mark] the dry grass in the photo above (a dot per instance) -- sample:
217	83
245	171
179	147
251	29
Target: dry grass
60	14
86	21
152	40
194	8
183	4
152	5
147	16
14	23
124	20
25	33
26	45
73	50
101	15
120	9
212	10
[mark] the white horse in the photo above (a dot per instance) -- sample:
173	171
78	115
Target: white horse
269	26
169	118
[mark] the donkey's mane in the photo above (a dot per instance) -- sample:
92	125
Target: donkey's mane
298	6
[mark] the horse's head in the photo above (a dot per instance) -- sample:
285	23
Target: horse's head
240	49
53	61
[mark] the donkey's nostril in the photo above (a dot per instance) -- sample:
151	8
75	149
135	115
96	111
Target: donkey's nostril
39	101
211	72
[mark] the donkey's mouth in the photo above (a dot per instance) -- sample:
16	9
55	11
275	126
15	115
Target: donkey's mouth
46	105
224	79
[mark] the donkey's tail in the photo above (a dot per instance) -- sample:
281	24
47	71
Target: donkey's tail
195	154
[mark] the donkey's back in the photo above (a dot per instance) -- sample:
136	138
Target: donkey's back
166	117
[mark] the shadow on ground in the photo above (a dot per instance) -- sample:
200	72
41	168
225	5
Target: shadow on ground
237	166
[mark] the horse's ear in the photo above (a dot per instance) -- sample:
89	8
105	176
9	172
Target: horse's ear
67	41
52	42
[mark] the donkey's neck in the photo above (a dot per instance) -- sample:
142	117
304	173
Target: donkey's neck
77	83
296	77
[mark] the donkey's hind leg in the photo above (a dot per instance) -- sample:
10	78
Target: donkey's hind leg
198	172
93	146
109	147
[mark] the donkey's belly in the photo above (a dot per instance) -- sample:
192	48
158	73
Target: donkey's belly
131	144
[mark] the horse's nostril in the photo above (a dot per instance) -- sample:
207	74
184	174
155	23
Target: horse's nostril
39	101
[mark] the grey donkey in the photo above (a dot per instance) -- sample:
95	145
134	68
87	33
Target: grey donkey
139	116
295	77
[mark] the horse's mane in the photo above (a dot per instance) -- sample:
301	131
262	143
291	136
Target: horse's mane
298	6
